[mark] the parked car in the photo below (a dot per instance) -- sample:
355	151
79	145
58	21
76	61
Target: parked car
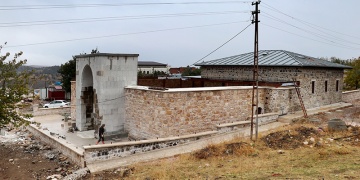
56	103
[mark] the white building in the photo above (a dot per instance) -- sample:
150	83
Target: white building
149	67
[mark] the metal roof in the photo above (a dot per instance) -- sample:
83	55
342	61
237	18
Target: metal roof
273	58
150	63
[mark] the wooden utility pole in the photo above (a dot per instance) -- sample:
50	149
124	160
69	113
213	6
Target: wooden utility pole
255	90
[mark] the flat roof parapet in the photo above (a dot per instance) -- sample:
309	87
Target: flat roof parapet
146	88
106	54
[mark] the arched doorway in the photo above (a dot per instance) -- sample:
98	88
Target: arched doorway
87	97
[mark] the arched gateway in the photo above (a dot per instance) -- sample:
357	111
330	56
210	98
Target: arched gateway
100	82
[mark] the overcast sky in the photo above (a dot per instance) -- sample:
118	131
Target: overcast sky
177	33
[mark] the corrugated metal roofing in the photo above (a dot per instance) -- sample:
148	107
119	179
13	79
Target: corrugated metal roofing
273	58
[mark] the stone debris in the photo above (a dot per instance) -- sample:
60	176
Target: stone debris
54	177
23	139
79	174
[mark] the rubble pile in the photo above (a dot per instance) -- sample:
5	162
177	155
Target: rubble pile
290	139
32	152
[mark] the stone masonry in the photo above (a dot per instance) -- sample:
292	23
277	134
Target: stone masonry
321	76
100	82
153	113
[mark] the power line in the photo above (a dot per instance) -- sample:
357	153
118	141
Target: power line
307	31
60	6
222	44
123	34
114	18
308	37
307	23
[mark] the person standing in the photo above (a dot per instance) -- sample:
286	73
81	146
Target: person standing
101	134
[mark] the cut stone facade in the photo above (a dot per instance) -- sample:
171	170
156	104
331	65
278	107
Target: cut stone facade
73	100
100	82
151	113
321	76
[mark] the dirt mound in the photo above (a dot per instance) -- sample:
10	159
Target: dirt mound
235	148
289	139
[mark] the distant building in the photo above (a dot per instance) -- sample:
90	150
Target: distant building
180	70
55	92
149	67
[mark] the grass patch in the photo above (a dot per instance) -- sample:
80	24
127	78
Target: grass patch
243	159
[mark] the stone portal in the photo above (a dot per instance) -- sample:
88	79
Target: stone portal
100	97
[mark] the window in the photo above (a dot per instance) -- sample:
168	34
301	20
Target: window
326	86
312	87
337	85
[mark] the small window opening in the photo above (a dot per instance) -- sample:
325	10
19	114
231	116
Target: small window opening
326	86
312	87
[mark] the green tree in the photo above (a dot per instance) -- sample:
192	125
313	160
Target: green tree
13	85
352	79
68	72
190	71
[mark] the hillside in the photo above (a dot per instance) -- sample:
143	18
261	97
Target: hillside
49	73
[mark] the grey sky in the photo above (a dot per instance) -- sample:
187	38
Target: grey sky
182	47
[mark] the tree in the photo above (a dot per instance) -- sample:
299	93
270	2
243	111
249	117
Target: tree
352	79
68	72
13	85
191	71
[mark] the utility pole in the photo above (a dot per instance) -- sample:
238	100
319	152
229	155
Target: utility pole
255	90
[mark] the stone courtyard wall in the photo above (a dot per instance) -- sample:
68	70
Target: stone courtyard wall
349	96
173	112
285	74
73	100
281	100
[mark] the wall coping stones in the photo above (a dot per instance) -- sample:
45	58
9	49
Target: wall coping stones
206	88
233	124
150	140
63	142
106	54
192	89
346	92
265	115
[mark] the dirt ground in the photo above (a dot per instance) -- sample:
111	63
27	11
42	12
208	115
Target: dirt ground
23	157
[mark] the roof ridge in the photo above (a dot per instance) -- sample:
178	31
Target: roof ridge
287	53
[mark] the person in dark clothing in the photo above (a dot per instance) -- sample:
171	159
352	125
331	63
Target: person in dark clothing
101	134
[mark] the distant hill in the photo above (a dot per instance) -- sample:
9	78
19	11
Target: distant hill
50	74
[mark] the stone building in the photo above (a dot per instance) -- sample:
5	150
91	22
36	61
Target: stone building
106	92
149	67
100	82
321	81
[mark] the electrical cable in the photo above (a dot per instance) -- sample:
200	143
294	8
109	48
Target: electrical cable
307	31
83	20
123	34
307	23
306	37
222	44
58	6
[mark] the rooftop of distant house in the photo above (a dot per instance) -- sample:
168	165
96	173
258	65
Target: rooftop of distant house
150	63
